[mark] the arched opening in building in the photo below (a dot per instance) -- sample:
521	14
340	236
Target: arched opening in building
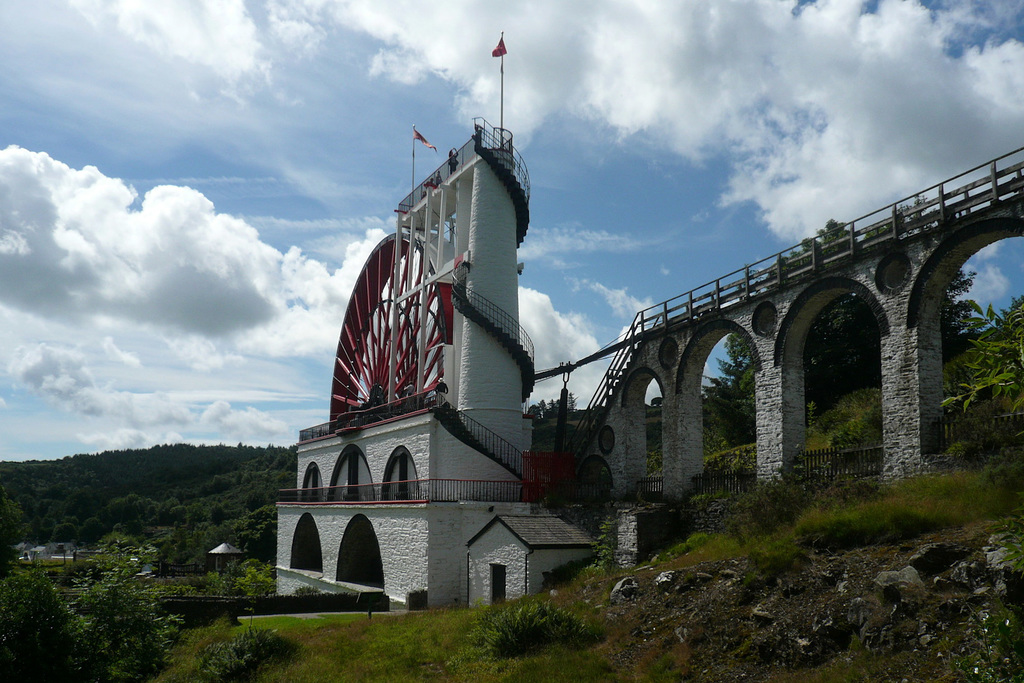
715	386
595	479
351	477
829	346
400	477
312	483
359	558
306	553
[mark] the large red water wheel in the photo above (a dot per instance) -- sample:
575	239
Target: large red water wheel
380	318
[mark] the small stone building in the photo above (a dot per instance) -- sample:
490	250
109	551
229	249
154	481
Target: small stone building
509	557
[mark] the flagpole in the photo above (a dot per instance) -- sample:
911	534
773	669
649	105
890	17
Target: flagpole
412	186
501	122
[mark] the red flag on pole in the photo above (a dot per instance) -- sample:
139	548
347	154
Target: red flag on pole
500	51
417	136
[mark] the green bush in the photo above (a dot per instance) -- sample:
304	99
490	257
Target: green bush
769	506
775	557
40	637
239	658
521	627
692	542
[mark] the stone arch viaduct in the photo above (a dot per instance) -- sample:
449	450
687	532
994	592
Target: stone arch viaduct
899	260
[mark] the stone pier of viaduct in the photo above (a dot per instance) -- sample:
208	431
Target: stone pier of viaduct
899	260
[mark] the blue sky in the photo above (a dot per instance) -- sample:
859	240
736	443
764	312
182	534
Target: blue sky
188	189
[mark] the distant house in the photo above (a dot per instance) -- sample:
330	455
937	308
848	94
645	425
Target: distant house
509	557
218	559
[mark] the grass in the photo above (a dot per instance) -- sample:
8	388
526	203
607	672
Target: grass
435	645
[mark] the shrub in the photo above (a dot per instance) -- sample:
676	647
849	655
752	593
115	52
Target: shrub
517	628
1000	653
775	557
766	508
692	542
39	636
240	657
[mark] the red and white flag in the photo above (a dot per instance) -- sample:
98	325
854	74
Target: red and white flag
500	51
417	136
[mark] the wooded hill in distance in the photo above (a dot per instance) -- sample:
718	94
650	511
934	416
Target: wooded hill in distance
183	499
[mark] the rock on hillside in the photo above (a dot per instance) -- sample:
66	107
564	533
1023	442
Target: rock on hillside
913	604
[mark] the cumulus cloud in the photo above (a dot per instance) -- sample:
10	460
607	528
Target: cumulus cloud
219	35
832	107
249	423
551	243
76	248
990	284
125	357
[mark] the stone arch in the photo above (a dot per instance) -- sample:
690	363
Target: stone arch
812	300
359	559
399	477
351	473
306	553
595	477
705	339
636	386
941	266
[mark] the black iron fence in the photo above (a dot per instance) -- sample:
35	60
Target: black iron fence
410	491
833	463
363	418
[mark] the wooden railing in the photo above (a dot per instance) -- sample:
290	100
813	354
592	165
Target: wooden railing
833	463
991	432
357	419
929	210
710	481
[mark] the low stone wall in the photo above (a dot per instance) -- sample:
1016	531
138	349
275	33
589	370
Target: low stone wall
197	610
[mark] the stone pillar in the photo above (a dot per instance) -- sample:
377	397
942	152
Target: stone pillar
682	433
781	419
911	395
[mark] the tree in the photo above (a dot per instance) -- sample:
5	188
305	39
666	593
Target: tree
40	637
257	533
996	357
729	410
11	530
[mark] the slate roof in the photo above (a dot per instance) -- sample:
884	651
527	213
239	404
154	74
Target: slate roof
540	531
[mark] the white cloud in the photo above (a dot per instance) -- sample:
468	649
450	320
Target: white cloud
125	357
990	284
219	35
248	424
621	302
833	108
547	243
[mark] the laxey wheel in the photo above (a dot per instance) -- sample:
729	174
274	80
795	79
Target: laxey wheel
373	327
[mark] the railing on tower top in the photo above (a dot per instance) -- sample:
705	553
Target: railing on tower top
498	140
981	187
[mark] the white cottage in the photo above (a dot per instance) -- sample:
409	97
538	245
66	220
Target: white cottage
511	555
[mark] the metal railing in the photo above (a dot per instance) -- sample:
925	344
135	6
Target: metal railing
927	211
498	140
490	310
831	463
357	419
495	446
409	491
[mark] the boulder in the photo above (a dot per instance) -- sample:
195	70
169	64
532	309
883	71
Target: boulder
624	591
